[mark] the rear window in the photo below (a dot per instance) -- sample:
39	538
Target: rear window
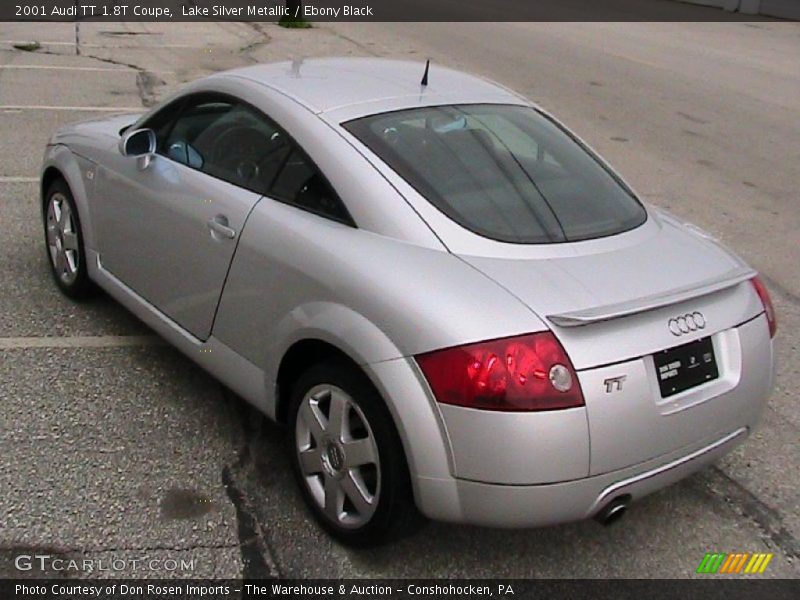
505	172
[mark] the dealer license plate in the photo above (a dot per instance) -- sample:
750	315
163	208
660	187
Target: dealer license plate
684	367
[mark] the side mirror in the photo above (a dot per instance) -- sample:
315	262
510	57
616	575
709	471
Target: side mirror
140	143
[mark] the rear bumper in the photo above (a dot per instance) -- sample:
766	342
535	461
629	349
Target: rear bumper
543	468
492	505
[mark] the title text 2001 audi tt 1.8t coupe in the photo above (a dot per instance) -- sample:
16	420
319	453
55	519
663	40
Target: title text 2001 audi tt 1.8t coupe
452	302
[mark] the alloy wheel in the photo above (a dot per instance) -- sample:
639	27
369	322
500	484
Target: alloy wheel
62	239
338	456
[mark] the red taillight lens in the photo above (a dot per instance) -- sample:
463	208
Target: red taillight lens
763	294
530	372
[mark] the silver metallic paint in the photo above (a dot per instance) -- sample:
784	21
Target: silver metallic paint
539	505
522	445
141	215
638	305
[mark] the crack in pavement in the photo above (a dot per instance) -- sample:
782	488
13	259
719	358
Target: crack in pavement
257	556
359	45
766	518
255	44
146	80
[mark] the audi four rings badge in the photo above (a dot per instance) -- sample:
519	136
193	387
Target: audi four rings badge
686	323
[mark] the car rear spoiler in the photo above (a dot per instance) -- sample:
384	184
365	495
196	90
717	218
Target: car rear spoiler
631	307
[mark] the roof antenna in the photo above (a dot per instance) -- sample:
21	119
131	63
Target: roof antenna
424	81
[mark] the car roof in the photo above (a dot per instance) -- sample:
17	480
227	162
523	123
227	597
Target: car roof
328	84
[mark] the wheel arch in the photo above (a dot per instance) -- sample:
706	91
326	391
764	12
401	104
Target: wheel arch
299	357
61	163
49	175
309	330
394	375
426	446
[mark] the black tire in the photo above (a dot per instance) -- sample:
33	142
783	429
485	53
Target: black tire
395	514
73	283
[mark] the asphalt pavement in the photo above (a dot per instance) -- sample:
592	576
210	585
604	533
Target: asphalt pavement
117	447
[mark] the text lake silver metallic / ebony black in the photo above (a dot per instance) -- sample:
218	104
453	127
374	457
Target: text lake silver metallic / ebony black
452	302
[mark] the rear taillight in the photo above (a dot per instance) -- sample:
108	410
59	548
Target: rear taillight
763	294
529	372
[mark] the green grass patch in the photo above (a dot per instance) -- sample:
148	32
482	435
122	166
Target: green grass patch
292	23
28	46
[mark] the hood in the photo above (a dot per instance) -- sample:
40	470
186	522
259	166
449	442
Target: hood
94	131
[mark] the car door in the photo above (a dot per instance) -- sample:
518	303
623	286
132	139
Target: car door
169	230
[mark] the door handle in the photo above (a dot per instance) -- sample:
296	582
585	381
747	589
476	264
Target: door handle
219	225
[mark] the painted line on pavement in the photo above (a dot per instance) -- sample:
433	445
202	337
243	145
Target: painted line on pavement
100	341
88	69
18	179
67	68
19	107
107	47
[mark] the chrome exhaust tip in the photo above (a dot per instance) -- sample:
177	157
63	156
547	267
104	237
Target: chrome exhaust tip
613	511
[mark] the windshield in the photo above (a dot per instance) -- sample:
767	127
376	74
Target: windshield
505	172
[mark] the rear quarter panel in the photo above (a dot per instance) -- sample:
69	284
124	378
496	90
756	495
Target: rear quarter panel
297	275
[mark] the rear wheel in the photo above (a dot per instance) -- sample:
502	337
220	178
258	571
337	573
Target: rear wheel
347	456
64	242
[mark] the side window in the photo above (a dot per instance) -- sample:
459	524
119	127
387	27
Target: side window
162	121
229	141
301	184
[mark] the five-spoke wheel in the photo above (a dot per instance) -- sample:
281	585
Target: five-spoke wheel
338	456
64	240
347	455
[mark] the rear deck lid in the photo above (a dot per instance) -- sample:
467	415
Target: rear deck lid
612	299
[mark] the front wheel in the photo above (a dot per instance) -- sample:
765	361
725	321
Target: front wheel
347	456
64	241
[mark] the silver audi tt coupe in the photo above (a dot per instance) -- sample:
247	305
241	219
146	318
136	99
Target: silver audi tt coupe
454	305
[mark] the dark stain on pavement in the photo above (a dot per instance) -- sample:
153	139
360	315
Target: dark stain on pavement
128	33
692	118
184	504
